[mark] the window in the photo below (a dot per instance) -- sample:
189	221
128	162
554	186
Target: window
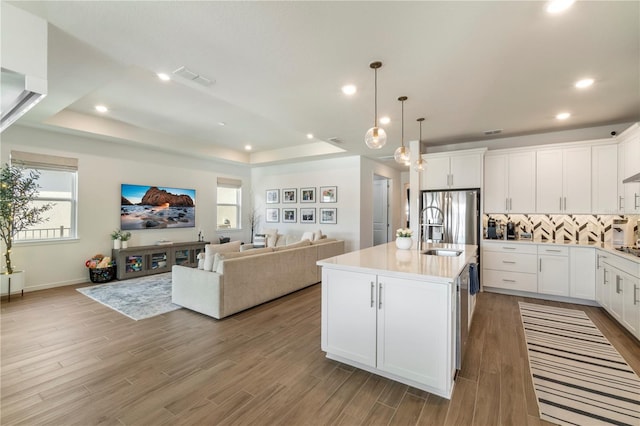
58	186
229	196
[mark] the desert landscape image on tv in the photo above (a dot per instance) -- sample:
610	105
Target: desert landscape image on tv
156	207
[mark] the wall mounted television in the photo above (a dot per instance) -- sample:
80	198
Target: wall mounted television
156	207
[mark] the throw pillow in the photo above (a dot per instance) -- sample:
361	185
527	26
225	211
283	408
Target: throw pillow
271	236
208	262
307	236
317	235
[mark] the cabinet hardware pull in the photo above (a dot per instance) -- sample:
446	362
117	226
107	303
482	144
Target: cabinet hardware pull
620	198
372	286
380	296
605	277
618	284
510	203
560	203
508	281
635	292
506	204
508	261
565	203
635	201
509	248
552	250
540	265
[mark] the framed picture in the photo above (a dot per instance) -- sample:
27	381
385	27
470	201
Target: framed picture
329	215
273	196
307	195
290	195
273	215
289	215
328	194
308	215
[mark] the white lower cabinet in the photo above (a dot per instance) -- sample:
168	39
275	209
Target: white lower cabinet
399	328
553	270
620	294
582	277
510	266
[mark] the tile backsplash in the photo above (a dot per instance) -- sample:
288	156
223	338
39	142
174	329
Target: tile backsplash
571	228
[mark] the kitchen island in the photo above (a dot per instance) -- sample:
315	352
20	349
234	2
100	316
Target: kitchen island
393	313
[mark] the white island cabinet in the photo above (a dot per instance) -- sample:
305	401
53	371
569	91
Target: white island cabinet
393	312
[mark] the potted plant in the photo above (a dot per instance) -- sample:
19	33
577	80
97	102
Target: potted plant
18	188
403	238
115	236
125	237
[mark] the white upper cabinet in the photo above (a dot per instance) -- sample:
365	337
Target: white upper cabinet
461	169
510	182
604	179
563	180
629	152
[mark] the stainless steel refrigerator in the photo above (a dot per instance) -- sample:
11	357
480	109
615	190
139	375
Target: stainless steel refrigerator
450	217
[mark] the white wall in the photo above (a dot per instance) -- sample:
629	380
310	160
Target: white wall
341	172
102	168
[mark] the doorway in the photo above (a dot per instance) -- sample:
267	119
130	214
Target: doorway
380	210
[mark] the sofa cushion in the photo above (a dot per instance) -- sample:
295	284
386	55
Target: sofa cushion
307	236
299	244
222	248
324	240
220	257
208	262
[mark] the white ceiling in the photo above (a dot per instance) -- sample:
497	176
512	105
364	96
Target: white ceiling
278	68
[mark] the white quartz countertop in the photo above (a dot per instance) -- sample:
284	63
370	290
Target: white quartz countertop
387	259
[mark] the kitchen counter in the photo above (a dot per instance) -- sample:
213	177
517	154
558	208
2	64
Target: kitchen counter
388	259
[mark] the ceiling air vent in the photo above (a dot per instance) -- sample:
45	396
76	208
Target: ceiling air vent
187	74
336	140
492	132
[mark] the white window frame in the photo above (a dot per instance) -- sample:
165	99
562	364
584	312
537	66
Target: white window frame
234	184
38	162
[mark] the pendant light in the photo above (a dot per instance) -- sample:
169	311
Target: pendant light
402	154
419	166
376	137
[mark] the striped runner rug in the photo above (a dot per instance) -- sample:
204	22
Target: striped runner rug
578	376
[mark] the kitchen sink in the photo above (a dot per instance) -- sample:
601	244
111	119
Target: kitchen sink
443	252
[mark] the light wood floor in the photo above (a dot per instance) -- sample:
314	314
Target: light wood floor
66	359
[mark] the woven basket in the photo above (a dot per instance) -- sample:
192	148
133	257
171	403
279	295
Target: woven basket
102	275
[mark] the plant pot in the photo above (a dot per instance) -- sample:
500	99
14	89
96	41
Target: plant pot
17	282
117	244
404	243
125	244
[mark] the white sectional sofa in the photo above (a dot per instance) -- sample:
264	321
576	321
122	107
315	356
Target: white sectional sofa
241	280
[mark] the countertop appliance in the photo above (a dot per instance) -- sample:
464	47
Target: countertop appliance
511	231
492	229
629	250
617	232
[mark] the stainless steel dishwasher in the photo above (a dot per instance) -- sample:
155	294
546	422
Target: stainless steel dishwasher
462	314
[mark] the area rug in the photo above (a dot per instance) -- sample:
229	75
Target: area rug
137	298
578	376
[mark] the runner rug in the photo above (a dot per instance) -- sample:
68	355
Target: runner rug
578	376
137	298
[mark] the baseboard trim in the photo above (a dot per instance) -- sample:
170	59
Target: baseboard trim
541	296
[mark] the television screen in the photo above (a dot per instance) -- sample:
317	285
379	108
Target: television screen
155	207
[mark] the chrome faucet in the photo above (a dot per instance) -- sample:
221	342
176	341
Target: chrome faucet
422	225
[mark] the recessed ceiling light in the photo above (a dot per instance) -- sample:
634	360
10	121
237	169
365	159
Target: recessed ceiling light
222	123
102	108
247	147
563	115
164	77
349	89
584	83
558	6
385	120
309	136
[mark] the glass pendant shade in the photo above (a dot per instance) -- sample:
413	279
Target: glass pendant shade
419	167
375	138
402	155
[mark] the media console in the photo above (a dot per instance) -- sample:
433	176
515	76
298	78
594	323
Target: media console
154	259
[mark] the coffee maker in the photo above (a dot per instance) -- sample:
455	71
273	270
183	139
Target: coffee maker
492	229
617	232
511	231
